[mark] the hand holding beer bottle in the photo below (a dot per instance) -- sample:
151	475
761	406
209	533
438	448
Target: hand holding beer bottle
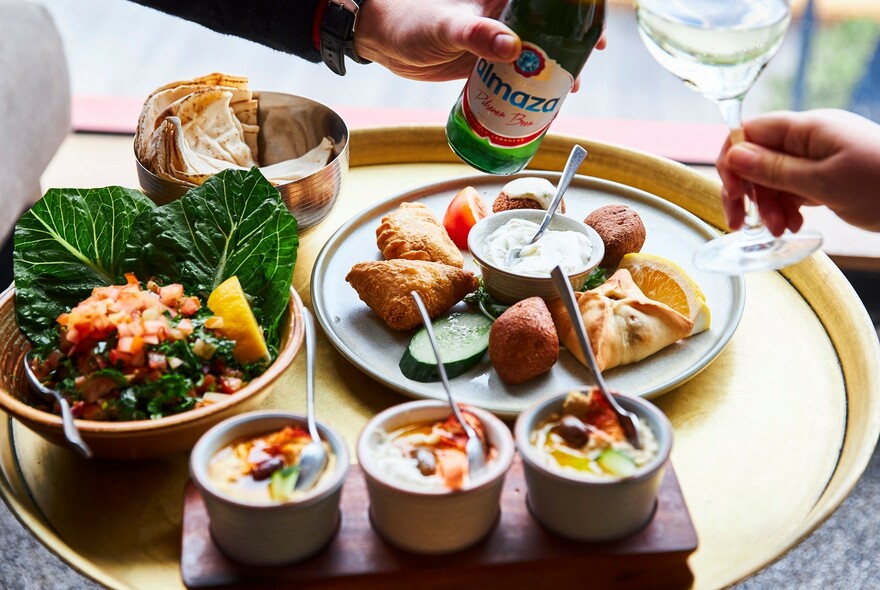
435	41
505	108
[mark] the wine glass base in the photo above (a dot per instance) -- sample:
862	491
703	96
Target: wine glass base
750	251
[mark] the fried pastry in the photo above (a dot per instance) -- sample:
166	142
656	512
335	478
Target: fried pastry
385	286
621	229
413	233
623	324
523	342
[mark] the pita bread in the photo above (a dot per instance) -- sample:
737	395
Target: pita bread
309	163
623	325
162	97
210	127
192	129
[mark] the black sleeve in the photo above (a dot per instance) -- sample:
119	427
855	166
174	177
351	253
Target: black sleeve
285	25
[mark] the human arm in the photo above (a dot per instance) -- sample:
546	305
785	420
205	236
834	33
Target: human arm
414	39
435	41
284	25
430	41
821	157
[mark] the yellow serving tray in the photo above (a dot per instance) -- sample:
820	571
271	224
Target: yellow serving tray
770	438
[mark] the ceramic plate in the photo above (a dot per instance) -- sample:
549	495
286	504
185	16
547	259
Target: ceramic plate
364	339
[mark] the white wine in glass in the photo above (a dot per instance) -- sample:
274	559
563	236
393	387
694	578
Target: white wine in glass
718	48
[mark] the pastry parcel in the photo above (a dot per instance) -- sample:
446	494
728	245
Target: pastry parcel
412	232
623	324
385	286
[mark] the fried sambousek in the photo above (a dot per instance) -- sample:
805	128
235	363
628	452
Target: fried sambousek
523	342
623	324
411	232
385	286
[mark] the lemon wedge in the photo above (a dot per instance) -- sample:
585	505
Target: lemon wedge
665	281
229	302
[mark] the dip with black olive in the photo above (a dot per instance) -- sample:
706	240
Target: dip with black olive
586	440
263	469
428	455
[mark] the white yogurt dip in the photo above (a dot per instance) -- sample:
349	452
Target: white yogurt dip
569	249
539	190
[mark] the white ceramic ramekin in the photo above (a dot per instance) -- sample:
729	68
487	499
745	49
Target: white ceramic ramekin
269	534
588	508
433	521
508	286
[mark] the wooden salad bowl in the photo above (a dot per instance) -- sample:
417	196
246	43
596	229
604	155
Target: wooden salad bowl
137	439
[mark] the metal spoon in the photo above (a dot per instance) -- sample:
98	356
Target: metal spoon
628	421
313	457
575	159
71	432
476	453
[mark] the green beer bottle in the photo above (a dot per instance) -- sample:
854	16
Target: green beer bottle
505	109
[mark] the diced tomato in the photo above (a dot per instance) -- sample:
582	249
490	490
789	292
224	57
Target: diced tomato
169	294
91	412
189	306
230	384
155	327
95	387
130	344
207	383
465	210
157	361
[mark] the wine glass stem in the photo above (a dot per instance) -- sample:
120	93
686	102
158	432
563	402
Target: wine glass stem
731	111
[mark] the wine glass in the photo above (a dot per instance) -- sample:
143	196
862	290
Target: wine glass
718	48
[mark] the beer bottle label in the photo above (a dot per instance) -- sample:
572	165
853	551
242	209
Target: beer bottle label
512	104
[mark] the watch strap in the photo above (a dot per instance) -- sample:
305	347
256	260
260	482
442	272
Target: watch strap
337	34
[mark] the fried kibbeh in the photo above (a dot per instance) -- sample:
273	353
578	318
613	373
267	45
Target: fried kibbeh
385	286
620	228
411	232
527	192
523	342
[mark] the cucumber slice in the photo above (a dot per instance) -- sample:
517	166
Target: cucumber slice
616	463
283	481
463	339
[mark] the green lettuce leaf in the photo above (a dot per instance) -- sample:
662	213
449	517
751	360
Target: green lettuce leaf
69	242
233	224
73	240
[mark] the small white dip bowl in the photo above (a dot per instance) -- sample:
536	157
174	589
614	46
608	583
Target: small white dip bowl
269	534
508	286
588	508
433	520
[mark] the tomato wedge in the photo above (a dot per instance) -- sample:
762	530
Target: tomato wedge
465	210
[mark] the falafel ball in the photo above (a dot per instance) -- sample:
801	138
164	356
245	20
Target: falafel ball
620	228
523	342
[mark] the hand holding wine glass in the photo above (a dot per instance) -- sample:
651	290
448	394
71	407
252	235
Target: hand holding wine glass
719	47
825	157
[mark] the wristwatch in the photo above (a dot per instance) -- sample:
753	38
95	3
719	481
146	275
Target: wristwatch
337	34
